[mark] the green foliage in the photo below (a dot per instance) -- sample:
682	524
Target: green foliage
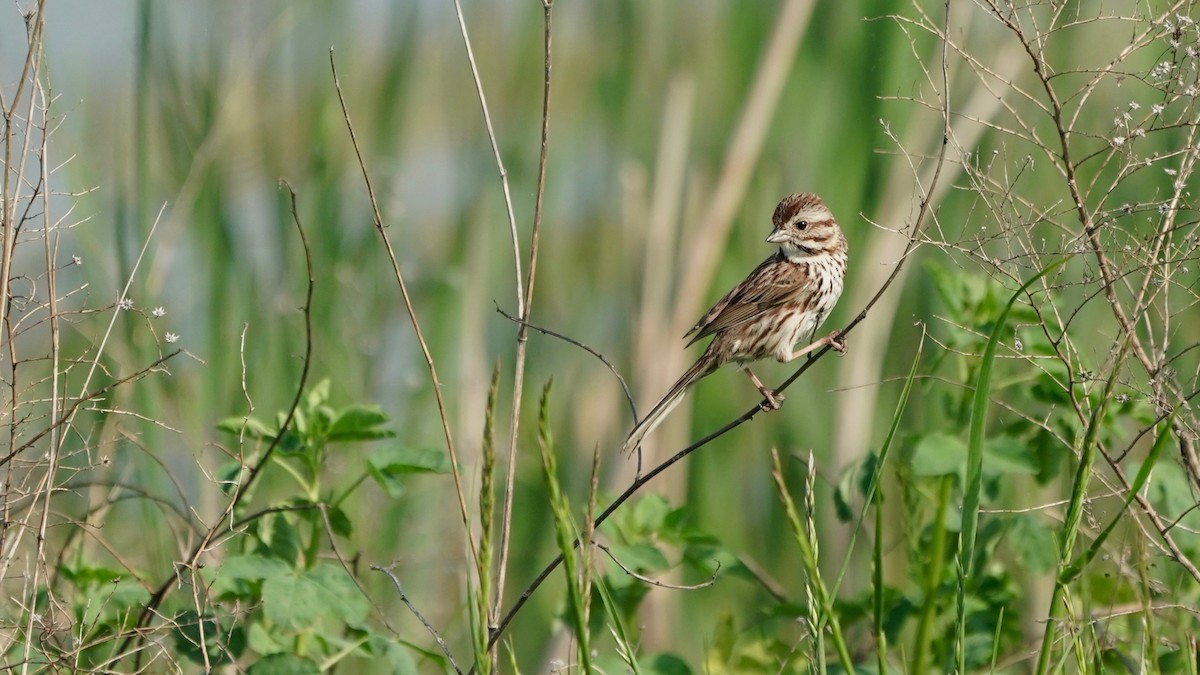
1024	450
303	611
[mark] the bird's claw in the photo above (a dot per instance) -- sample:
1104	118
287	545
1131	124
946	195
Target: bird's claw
773	400
836	341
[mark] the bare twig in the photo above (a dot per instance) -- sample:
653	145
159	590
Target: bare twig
524	308
412	608
225	521
661	584
412	313
570	340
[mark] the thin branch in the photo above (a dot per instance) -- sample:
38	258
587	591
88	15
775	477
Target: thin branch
577	343
412	312
84	398
420	617
660	584
225	521
524	308
491	134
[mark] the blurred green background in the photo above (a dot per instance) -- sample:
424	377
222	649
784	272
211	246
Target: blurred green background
188	114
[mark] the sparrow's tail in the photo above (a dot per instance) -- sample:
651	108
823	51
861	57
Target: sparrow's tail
659	412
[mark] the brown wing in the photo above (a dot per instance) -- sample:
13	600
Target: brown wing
774	282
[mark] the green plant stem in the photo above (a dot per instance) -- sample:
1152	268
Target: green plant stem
1072	571
566	534
308	489
1083	475
809	558
337	501
937	557
482	610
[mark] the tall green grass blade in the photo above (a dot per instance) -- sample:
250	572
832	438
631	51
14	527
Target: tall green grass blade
974	480
875	498
933	577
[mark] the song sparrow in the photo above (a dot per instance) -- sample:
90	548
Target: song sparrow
781	303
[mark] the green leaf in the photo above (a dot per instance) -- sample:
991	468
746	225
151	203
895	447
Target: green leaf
855	482
294	602
227	475
650	513
397	657
222	641
241	576
1050	455
318	394
720	649
388	465
263	641
280	538
359	423
325	593
252	567
665	664
339	521
342	593
1005	455
86	576
255	428
938	454
284	664
1033	543
292	442
641	558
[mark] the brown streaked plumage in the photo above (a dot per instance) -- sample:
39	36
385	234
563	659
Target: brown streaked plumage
780	304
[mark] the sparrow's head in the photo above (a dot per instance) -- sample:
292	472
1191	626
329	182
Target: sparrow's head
804	227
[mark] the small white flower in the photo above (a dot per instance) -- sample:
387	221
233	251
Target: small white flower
125	303
1134	105
1018	345
1139	132
158	312
171	338
1157	108
76	260
1170	172
1118	141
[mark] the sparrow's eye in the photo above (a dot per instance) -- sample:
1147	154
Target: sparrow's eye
802	224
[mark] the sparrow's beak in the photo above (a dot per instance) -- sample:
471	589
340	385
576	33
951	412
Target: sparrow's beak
777	237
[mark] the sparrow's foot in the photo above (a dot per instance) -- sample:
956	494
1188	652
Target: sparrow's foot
836	341
773	400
